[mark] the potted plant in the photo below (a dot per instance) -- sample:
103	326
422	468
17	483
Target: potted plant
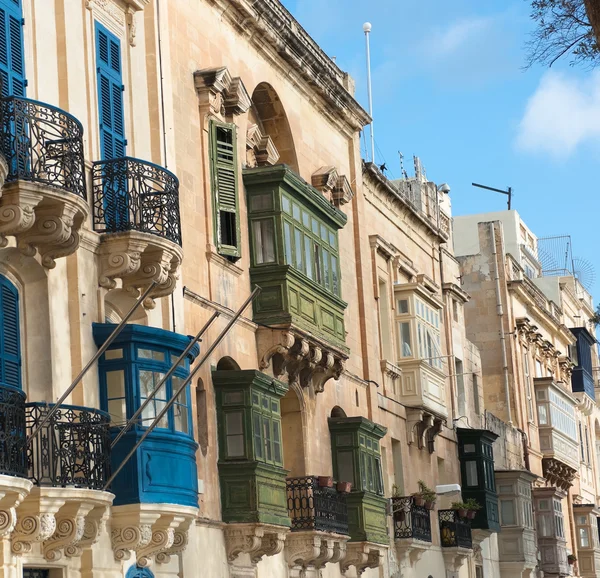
344	487
325	482
473	506
571	559
427	494
461	509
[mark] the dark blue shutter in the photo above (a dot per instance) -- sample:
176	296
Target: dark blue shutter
110	94
10	334
12	57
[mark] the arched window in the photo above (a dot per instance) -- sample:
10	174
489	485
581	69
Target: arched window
10	338
137	572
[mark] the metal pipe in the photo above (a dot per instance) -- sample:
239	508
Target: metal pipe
367	30
500	313
174	397
91	362
169	373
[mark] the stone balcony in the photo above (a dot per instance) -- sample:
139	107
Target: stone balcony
455	538
43	203
412	530
136	211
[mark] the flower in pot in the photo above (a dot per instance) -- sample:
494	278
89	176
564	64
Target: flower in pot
571	558
473	506
427	494
325	482
461	509
344	487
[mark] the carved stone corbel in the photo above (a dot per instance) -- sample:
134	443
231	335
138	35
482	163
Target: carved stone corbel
70	526
237	100
312	550
276	353
362	555
342	191
163	537
131	533
410	551
180	541
219	92
120	257
17	212
454	558
12	492
94	525
257	540
325	179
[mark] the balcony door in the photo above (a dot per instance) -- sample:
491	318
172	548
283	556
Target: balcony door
112	128
12	62
10	346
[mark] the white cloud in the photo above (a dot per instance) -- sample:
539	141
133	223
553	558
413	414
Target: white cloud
563	113
458	34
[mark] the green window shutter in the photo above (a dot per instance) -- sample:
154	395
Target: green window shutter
225	189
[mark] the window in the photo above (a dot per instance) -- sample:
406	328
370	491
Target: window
263	236
476	402
528	389
428	330
455	307
478	571
539	372
405	347
110	94
471	471
313	248
10	334
266	420
223	159
12	52
460	387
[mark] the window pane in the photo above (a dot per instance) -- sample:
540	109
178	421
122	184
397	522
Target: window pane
402	305
261	202
285	204
258	440
323	233
542	414
117	410
315	226
335	281
326	270
507	512
113	354
306	219
267	438
264	241
584	538
296	211
234	430
406	350
345	466
298	249
151	354
287	233
308	256
180	413
277	442
471	470
115	384
332	239
317	257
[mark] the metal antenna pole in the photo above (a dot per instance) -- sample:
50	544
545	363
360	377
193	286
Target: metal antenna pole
174	397
508	192
169	373
91	362
367	30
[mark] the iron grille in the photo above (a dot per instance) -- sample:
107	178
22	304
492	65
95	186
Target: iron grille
454	530
42	144
312	507
12	432
72	449
134	195
410	520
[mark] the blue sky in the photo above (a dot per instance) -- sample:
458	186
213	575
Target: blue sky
449	86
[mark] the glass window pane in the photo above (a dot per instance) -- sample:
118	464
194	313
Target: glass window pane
335	281
332	239
507	512
261	202
117	410
258	440
180	413
306	219
405	346
308	258
315	226
113	354
267	438
277	442
264	241
317	258
542	414
323	233
151	354
584	538
296	212
234	431
115	384
285	204
471	470
345	466
402	306
287	233
326	269
298	249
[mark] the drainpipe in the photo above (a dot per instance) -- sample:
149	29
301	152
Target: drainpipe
500	313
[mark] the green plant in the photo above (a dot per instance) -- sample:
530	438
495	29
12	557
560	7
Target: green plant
459	506
396	491
473	504
571	558
426	492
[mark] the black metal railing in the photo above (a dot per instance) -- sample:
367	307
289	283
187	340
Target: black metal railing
12	432
72	449
312	507
410	520
454	530
42	144
134	195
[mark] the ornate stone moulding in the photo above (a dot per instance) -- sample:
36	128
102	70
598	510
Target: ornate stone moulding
422	427
558	473
454	558
42	220
13	491
155	532
305	359
334	186
410	550
223	94
60	521
308	551
362	555
138	259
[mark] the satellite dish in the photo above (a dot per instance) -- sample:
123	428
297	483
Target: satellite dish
584	272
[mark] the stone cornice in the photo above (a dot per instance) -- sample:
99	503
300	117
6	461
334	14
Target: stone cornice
278	36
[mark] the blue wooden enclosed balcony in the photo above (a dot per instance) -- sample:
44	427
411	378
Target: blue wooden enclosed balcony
43	176
136	210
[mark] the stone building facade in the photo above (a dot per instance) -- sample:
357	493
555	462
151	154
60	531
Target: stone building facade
193	168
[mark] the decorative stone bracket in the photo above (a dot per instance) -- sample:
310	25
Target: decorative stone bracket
307	552
64	520
306	360
13	491
422	427
558	473
138	259
454	558
410	551
152	531
362	555
334	186
264	150
253	540
221	93
41	219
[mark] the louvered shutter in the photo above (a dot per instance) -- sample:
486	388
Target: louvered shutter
110	94
225	189
10	338
12	57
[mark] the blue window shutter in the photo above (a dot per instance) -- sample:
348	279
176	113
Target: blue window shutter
12	53
110	94
10	334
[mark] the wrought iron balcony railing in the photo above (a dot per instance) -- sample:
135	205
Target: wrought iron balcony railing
312	507
42	144
410	520
135	195
455	532
12	432
72	449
